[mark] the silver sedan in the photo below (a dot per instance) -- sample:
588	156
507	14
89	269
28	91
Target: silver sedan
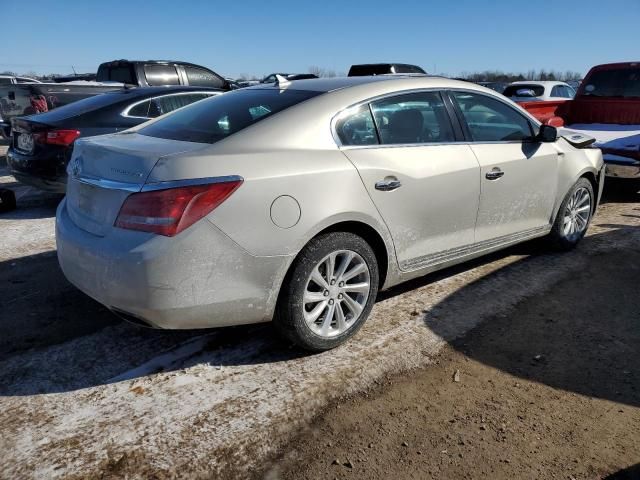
298	201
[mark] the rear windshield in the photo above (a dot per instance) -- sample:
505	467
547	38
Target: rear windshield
211	120
524	91
621	82
365	70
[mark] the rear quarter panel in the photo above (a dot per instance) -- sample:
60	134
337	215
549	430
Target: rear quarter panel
324	183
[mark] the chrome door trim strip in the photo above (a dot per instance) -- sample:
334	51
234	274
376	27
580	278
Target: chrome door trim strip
445	256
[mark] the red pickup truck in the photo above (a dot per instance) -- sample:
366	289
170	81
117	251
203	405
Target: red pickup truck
606	107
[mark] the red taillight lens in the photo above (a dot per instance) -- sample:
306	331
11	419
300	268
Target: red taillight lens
60	137
168	212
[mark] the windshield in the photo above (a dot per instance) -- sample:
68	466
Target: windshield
211	120
621	82
523	90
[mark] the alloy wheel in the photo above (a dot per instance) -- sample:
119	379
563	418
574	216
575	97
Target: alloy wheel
576	214
336	293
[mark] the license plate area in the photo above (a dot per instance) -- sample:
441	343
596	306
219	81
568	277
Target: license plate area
25	142
86	202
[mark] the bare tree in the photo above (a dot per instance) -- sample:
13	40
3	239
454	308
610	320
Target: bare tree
321	72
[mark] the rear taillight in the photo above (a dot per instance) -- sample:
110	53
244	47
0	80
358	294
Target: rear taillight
57	137
62	137
168	212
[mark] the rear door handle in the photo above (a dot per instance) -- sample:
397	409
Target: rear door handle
388	185
494	174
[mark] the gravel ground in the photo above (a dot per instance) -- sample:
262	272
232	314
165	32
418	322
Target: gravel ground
550	389
84	395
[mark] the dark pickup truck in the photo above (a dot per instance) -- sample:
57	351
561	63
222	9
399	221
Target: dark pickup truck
30	98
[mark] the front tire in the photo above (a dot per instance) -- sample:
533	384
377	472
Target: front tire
329	292
574	216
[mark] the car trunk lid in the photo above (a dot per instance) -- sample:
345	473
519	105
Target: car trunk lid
105	170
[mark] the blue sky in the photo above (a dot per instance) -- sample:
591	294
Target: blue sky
259	37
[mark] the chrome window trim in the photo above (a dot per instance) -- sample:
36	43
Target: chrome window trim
125	112
516	108
334	119
190	182
336	138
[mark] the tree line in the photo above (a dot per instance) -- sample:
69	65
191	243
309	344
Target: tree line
498	76
486	76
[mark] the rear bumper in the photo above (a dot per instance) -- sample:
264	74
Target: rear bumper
46	171
50	185
198	279
621	167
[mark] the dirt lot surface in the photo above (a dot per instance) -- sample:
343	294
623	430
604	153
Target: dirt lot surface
84	395
550	389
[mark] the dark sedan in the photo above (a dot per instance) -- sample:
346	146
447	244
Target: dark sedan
41	144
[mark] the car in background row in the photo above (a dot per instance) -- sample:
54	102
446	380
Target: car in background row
27	99
298	204
383	69
155	73
495	86
538	91
11	80
41	145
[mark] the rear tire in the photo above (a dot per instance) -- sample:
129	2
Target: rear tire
574	216
329	292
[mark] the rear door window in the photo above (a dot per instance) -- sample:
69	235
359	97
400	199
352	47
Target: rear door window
202	78
155	107
161	75
355	127
140	110
216	118
490	120
413	118
562	91
169	103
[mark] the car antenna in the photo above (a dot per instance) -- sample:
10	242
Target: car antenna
281	81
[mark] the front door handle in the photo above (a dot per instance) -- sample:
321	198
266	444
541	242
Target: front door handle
494	174
388	185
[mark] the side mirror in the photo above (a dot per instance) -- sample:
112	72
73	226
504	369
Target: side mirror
547	134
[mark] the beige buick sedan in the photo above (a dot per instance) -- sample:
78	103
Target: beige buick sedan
298	201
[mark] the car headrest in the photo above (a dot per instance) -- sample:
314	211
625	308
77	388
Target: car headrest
406	125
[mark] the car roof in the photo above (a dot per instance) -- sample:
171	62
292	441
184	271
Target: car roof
539	82
616	65
158	62
338	83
